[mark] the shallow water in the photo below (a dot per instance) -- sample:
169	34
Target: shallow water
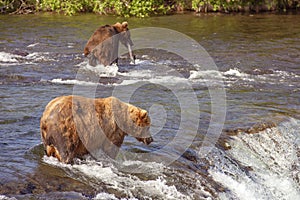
255	157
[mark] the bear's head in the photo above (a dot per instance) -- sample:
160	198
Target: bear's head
132	120
124	33
125	37
141	124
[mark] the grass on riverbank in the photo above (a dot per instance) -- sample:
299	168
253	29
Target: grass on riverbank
141	8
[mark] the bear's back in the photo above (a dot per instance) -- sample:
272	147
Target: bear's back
101	34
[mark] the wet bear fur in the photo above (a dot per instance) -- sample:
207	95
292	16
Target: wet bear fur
103	45
73	126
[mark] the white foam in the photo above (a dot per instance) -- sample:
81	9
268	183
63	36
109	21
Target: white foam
158	73
138	74
144	70
105	196
240	189
272	156
8	57
33	45
205	75
163	80
128	184
277	77
2	197
72	82
285	75
143	62
168	80
234	72
35	56
103	71
113	70
247	188
160	188
126	82
210	78
149	167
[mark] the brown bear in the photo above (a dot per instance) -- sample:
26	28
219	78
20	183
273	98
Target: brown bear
103	45
73	126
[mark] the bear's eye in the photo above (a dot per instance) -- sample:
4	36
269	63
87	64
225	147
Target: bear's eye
131	110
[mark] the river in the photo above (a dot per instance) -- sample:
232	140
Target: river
222	92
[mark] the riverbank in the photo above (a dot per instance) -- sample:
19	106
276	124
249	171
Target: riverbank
140	8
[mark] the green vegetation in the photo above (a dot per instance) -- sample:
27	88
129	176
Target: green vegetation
144	8
244	5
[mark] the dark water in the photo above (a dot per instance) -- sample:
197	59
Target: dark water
255	157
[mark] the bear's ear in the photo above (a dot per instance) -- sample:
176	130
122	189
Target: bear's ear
143	114
118	26
124	25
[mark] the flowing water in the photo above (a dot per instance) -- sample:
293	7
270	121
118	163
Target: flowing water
256	156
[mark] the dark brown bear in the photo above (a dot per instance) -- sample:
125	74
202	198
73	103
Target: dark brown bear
103	45
73	126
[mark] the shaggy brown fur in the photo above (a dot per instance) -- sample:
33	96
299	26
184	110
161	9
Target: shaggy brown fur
73	126
103	45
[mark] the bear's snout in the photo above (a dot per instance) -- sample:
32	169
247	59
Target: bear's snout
146	141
